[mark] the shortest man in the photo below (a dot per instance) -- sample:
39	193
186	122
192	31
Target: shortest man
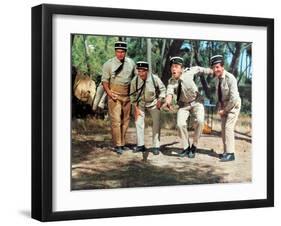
147	93
229	105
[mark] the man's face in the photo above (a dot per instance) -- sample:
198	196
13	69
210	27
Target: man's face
218	70
176	70
120	54
142	73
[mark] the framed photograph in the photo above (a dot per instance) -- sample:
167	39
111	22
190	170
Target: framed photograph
145	112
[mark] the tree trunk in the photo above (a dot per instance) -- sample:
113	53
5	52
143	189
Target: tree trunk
235	59
148	52
72	39
192	55
174	50
196	45
87	55
163	49
106	43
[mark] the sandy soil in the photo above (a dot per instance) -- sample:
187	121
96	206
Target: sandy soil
96	166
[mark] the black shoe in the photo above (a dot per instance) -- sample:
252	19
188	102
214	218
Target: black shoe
184	152
124	148
155	151
227	157
192	151
118	150
139	149
221	155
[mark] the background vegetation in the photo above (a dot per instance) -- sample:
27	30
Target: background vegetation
89	52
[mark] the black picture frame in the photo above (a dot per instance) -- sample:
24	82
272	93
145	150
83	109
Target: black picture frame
42	106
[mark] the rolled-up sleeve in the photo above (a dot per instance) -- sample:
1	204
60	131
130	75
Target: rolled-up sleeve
105	72
133	88
162	88
202	71
171	87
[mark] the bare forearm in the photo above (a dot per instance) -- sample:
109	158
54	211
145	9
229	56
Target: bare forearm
169	99
108	91
106	88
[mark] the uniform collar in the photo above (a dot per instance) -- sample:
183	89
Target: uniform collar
115	58
223	75
181	77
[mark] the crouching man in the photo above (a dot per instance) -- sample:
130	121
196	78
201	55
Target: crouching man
147	94
183	86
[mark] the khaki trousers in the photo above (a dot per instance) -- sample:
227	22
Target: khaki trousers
228	123
119	112
155	114
182	116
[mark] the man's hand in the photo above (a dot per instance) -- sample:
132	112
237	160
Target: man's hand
159	104
168	103
136	112
167	106
221	113
110	94
113	95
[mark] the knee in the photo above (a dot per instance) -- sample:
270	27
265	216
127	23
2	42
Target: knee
181	124
200	121
115	123
139	125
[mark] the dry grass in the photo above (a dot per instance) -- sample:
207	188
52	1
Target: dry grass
168	121
243	125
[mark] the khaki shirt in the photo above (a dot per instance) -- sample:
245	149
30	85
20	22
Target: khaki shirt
229	88
124	77
148	96
189	89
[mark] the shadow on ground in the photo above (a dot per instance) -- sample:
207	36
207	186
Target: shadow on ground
143	174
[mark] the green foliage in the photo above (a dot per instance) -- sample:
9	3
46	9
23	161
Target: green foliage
90	52
100	49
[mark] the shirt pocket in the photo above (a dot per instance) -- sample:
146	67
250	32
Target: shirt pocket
225	91
150	95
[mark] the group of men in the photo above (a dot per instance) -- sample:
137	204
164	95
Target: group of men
127	83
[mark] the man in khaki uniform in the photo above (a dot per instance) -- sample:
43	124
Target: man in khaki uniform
117	74
147	93
229	105
182	84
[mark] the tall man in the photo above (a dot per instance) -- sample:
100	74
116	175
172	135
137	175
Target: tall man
182	84
148	93
229	105
117	74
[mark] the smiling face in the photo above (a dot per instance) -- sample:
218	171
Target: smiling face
142	73
218	69
176	71
120	54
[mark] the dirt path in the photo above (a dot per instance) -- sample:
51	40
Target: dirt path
95	165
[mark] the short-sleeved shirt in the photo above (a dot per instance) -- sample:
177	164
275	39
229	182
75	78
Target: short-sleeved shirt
124	77
189	90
